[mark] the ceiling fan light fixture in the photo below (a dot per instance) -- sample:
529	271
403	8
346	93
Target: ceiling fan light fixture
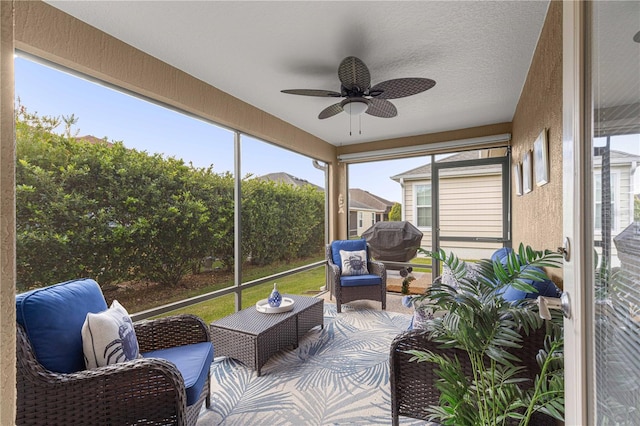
356	106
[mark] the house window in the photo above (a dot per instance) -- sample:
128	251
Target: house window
423	205
598	200
373	218
360	220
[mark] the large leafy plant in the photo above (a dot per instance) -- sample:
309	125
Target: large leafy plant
486	327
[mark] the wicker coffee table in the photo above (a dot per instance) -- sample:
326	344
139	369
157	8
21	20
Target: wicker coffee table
252	337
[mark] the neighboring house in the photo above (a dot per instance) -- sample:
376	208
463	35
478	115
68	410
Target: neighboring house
623	167
282	177
470	204
365	208
94	140
471	201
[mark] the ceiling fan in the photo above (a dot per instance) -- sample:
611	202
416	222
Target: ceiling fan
360	97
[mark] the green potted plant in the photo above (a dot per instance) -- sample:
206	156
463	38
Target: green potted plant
407	278
487	328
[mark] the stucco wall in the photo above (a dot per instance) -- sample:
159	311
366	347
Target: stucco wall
7	220
537	216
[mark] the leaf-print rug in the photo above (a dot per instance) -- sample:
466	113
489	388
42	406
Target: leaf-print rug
338	375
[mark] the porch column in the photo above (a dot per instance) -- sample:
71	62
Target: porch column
338	205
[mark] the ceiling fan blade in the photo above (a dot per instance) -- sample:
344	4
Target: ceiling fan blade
354	74
331	111
381	108
313	92
401	87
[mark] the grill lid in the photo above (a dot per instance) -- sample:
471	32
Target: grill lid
393	241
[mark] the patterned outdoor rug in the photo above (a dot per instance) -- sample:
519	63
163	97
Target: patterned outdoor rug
338	375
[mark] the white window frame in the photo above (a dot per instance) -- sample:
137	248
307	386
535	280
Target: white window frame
416	206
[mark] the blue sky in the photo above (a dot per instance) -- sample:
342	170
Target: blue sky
103	112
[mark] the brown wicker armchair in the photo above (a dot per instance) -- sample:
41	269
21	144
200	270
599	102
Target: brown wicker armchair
375	282
413	384
143	391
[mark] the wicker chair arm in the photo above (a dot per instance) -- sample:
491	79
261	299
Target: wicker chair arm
334	270
171	331
413	383
377	268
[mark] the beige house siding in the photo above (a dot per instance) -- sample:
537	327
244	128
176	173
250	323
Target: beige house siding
368	219
470	206
626	199
407	204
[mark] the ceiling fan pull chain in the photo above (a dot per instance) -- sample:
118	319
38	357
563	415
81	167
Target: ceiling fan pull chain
360	124
350	119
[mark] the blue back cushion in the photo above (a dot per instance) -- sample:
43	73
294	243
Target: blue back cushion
346	245
501	254
52	318
545	288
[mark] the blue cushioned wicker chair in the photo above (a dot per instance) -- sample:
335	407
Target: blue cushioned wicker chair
370	285
167	385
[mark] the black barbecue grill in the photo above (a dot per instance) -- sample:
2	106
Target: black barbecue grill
393	241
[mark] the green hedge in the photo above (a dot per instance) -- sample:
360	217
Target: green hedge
116	214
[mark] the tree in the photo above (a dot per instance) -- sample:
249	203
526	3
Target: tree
114	214
280	221
395	214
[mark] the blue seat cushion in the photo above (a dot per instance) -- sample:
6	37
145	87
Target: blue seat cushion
53	316
359	280
346	245
193	361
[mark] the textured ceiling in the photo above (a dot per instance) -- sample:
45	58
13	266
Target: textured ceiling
477	52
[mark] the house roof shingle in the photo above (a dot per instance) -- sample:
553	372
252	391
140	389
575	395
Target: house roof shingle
369	200
424	171
359	199
282	177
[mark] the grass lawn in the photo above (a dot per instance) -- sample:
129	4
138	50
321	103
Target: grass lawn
426	261
304	283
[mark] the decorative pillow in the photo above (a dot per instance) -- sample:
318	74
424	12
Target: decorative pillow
450	279
421	315
354	262
108	337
